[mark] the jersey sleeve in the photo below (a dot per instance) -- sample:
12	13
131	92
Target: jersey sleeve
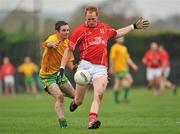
13	69
164	58
145	58
50	39
76	38
35	67
111	32
20	68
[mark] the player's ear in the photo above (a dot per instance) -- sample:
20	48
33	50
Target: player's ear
56	31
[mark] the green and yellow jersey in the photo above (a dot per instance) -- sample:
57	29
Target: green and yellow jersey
28	68
51	58
119	56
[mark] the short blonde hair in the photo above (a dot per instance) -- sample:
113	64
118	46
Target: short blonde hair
91	9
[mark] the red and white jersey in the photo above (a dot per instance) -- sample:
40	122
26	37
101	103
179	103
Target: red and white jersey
152	60
7	69
92	42
165	58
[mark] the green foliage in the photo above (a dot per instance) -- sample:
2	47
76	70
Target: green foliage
21	37
18	45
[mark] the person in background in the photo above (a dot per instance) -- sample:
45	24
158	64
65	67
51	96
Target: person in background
119	65
165	71
7	72
152	60
28	68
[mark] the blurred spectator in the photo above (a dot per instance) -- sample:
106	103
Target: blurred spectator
152	60
165	71
28	68
7	71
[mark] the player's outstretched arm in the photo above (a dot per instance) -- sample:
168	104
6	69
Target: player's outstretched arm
64	61
132	64
72	66
139	24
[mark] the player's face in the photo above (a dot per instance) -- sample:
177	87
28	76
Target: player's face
63	32
91	19
6	60
154	47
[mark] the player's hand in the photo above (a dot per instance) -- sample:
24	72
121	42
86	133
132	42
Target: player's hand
111	71
135	68
141	24
54	44
60	75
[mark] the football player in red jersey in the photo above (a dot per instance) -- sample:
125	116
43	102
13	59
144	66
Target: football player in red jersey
153	62
92	37
165	71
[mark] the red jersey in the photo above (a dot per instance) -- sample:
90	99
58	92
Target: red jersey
165	58
152	59
92	42
0	74
7	69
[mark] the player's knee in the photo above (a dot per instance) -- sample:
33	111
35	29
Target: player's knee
60	98
99	96
131	81
125	83
78	101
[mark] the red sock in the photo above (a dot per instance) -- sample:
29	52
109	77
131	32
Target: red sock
92	116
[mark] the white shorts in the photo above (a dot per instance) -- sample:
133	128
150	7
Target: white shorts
95	70
153	72
166	72
9	79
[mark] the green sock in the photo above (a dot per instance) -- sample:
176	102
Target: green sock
63	123
126	92
116	96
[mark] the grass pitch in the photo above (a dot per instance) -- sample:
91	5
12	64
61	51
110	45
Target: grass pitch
145	114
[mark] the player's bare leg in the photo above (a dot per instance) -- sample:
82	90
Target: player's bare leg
162	85
12	89
33	88
158	80
99	88
28	88
151	84
68	90
171	86
79	97
54	90
166	83
6	89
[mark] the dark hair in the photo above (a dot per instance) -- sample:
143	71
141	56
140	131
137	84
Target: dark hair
59	24
91	9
